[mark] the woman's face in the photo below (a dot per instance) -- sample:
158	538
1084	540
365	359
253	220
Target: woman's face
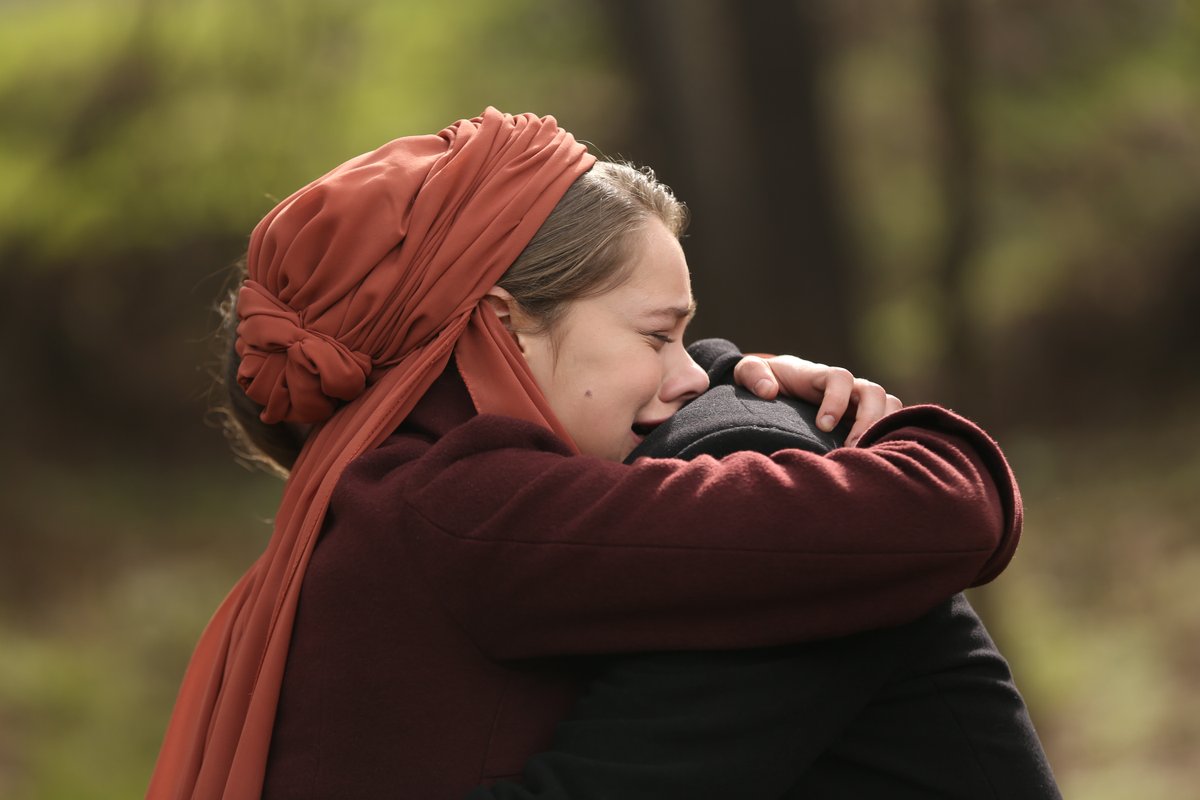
620	367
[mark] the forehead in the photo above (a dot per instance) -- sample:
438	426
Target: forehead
658	279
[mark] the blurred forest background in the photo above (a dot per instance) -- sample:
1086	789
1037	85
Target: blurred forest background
993	205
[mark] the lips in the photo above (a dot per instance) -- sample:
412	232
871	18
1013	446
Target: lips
643	429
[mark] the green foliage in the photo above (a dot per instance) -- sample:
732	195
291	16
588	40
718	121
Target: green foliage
1085	123
110	575
138	125
1099	614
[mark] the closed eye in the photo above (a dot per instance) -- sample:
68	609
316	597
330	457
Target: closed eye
661	338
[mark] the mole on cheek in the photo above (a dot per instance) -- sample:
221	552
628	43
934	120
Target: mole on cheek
587	393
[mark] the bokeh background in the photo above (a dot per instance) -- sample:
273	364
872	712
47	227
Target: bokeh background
993	205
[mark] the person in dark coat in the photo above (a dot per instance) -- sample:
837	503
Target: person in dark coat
920	710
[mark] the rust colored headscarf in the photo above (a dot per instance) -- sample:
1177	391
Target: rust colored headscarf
360	288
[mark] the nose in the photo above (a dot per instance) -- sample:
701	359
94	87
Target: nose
686	380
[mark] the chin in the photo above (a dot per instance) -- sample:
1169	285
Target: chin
629	447
616	449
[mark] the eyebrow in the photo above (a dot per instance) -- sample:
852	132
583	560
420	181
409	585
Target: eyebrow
677	312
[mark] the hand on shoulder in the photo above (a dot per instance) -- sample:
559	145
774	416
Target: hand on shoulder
834	389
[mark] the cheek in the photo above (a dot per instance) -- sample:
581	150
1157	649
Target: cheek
641	378
603	384
615	394
612	371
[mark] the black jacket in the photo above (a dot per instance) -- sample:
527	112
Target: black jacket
923	710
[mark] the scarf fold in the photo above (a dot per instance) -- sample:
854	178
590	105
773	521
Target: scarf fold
361	286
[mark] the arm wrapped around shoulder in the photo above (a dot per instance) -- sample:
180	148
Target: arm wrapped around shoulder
536	552
982	453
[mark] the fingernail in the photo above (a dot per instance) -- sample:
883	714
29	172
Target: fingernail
763	386
826	423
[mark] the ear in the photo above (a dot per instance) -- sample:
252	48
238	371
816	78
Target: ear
502	303
505	307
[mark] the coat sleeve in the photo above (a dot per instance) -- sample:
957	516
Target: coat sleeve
535	552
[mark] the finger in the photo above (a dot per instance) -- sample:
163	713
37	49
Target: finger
871	402
755	374
798	378
893	404
838	384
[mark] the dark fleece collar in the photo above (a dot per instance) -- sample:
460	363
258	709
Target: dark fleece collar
728	418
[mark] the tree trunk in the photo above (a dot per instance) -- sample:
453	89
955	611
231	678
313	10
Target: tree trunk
960	377
732	115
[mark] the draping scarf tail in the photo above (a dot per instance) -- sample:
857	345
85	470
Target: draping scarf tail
180	758
218	739
224	741
220	729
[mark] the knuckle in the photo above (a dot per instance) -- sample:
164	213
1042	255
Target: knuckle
841	374
783	363
750	370
753	362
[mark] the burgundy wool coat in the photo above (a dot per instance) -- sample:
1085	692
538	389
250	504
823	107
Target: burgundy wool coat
470	565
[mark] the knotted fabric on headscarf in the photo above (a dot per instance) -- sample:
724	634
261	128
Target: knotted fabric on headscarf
360	288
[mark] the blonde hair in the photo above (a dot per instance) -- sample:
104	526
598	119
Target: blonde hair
585	246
